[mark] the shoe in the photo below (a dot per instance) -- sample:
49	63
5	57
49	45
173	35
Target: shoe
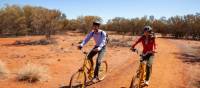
146	83
95	80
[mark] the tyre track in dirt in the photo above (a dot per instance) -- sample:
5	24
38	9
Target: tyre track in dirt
168	70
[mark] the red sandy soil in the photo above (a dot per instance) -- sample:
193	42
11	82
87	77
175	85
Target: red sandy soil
63	59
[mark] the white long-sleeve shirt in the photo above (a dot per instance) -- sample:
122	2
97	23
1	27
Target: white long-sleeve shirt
99	38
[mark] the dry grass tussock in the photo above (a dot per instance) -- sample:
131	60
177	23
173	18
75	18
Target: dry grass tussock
193	73
120	42
34	42
3	70
33	73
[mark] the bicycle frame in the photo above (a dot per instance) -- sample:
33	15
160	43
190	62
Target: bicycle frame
86	71
85	68
141	71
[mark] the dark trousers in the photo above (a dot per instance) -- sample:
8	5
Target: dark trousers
149	59
98	61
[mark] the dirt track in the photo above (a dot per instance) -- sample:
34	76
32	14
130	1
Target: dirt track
168	70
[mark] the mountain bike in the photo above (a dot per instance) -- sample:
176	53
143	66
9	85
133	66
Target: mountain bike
139	78
86	72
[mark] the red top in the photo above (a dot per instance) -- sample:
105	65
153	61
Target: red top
148	43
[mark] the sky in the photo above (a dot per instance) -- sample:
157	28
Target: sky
108	9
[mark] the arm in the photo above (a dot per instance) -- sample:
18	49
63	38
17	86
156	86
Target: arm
102	40
139	40
154	44
88	37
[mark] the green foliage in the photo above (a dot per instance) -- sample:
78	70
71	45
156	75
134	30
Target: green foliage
29	20
187	26
123	25
86	22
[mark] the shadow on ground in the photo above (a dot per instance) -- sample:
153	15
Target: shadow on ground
192	59
188	58
64	87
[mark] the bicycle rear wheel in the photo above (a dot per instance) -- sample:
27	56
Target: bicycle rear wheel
103	70
78	80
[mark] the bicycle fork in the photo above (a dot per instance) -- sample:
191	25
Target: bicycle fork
142	73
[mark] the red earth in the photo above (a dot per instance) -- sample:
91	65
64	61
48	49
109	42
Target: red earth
170	70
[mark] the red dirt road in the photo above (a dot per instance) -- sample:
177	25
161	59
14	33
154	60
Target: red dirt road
168	70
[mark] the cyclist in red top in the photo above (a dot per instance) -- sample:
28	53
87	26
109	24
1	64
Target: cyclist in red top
149	46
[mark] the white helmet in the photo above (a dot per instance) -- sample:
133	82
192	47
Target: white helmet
148	28
96	23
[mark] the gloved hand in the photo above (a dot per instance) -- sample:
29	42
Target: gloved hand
79	47
132	49
96	50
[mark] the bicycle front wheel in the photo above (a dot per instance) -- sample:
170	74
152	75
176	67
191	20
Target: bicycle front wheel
135	83
138	79
78	80
103	70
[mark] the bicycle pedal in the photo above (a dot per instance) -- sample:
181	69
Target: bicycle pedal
144	85
91	83
137	75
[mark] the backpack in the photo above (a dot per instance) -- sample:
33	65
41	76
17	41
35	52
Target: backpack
107	37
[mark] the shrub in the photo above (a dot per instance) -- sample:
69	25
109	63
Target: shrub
34	42
3	70
118	42
32	73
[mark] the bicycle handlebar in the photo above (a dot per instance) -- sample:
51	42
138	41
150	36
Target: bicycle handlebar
135	50
84	52
140	53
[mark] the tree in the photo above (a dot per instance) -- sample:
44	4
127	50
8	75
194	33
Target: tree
85	22
12	20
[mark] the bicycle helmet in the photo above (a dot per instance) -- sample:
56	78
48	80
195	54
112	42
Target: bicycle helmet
97	23
148	29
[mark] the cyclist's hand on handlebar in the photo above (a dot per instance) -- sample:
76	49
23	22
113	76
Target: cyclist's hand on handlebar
96	50
79	47
132	49
155	51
